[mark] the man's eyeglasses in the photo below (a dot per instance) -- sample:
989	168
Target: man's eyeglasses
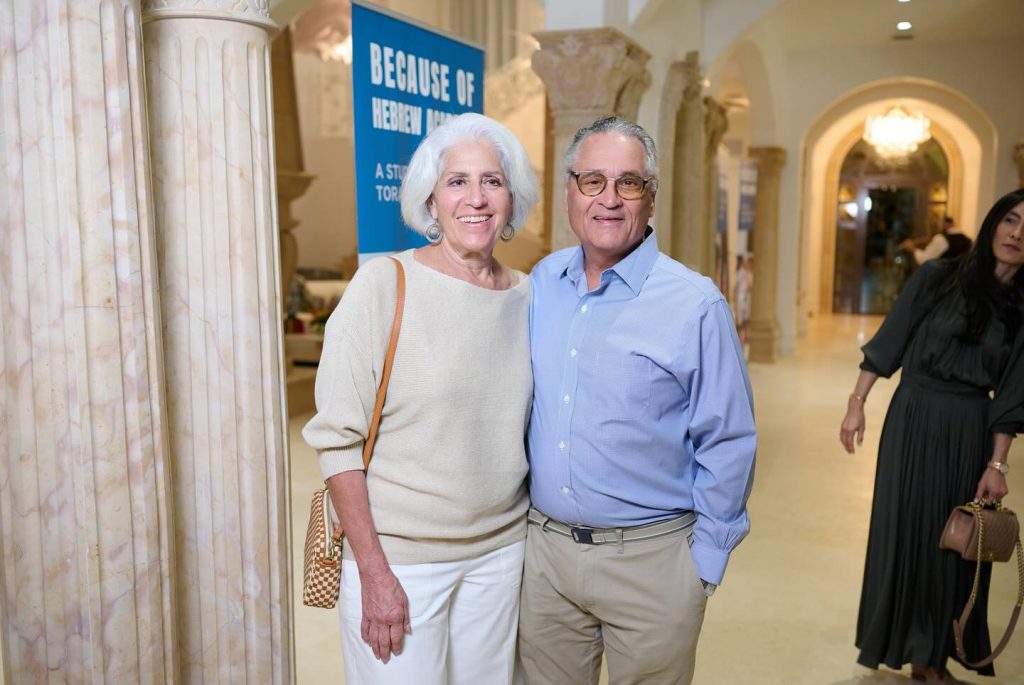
628	186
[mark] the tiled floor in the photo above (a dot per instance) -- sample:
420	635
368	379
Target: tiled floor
786	611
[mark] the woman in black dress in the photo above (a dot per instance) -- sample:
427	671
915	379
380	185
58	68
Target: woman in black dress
956	331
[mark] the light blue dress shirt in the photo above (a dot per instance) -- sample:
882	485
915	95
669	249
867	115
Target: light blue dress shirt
642	406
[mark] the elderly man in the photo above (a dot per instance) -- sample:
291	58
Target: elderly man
641	440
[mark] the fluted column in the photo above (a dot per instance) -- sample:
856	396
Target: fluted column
687	242
716	124
1018	158
763	332
208	71
85	532
588	74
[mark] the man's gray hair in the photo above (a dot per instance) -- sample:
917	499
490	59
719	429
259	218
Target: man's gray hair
614	124
428	162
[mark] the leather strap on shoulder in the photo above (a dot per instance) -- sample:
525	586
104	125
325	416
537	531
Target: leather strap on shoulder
389	361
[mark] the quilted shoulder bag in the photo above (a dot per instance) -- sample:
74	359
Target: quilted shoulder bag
321	568
984	535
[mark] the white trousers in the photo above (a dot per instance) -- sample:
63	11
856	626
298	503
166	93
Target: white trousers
464	617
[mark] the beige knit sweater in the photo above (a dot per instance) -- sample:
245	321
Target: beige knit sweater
447	480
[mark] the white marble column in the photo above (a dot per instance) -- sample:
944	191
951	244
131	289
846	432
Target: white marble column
763	332
87	593
589	74
208	73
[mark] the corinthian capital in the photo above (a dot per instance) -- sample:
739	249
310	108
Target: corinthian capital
596	70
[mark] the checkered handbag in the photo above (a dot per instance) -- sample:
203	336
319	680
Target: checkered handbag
321	568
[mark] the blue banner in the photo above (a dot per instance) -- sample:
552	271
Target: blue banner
406	80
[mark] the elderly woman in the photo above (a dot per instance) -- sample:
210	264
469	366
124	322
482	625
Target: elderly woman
434	529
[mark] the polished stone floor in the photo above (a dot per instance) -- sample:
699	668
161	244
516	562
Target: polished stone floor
786	611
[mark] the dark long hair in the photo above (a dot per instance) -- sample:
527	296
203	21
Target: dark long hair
984	294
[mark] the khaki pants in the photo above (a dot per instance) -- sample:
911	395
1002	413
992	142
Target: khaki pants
642	604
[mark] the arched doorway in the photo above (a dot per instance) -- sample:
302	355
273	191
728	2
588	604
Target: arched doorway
967	137
880	203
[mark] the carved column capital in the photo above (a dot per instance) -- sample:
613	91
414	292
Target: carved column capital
594	70
508	88
248	11
716	123
693	79
770	160
588	74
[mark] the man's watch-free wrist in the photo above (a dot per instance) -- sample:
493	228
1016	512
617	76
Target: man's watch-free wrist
1000	466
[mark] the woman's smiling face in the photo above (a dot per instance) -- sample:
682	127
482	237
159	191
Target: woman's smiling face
471	202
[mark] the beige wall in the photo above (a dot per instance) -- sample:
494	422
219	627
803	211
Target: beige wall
327	212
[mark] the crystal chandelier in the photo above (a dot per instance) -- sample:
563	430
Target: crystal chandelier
896	133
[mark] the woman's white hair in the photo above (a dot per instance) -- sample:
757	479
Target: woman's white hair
428	162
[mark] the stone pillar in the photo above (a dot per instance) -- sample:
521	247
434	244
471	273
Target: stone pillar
292	178
85	526
208	72
716	123
1018	158
686	242
589	74
671	98
763	334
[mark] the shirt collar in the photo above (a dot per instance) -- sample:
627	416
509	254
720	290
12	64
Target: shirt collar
633	269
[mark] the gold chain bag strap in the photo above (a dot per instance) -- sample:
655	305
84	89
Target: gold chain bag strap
984	535
321	569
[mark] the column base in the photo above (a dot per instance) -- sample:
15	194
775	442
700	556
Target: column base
763	339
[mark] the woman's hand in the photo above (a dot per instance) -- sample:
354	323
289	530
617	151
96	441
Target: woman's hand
385	605
853	425
992	487
385	613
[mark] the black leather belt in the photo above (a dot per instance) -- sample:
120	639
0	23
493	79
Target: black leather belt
604	536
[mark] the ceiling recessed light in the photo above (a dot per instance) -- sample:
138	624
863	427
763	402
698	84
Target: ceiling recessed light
902	0
904	26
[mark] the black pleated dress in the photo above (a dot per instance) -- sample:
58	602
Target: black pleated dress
933	449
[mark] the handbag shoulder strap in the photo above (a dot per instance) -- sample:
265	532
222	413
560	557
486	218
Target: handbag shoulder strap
389	360
958	625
